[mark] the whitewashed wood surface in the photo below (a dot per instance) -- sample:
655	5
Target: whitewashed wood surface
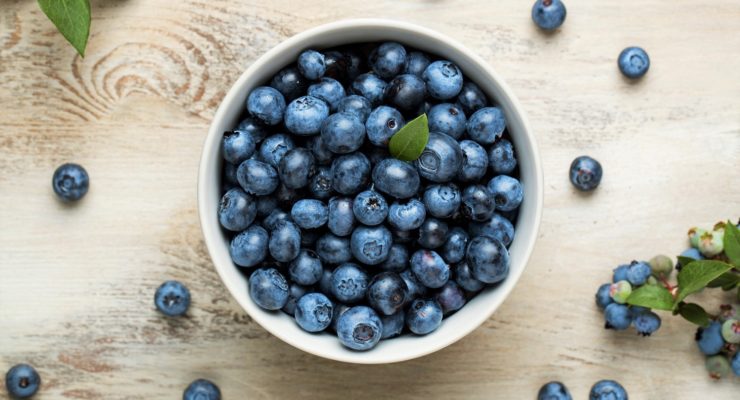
76	283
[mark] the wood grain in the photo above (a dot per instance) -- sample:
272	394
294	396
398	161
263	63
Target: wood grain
76	282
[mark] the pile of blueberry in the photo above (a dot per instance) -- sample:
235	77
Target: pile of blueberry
335	231
602	390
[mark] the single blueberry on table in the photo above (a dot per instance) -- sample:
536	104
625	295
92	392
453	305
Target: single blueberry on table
172	298
371	244
388	60
202	389
314	312
290	83
320	184
285	241
329	90
501	157
333	249
486	125
585	173
359	328
408	215
453	250
306	269
617	316
603	298
343	133
554	391
429	268
424	316
370	87
370	208
396	178
275	216
710	339
311	64
447	118
548	14
321	153
341	217
70	182
496	227
478	203
638	272
386	293
444	80
441	159
382	123
474	163
304	115
237	146
442	200
416	63
268	288
607	390
266	104
507	192
257	177
350	173
295	292
237	210
471	98
22	381
432	233
357	105
488	259
249	247
274	147
405	91
633	62
393	324
450	297
646	322
465	279
398	258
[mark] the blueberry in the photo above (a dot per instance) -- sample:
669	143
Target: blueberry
285	241
305	114
548	14
370	87
274	147
237	146
396	178
633	62
388	60
471	98
501	157
646	322
488	259
603	298
486	125
357	105
349	283
496	227
295	292
333	249
249	248
432	233
321	154
343	133
398	258
350	173
441	159
237	210
296	168
202	389
620	273
387	293
311	64
453	250
359	328
371	245
230	175
607	389
328	90
382	123
416	63
320	185
268	288
447	118
339	309
254	127
407	216
710	339
554	391
392	324
442	201
465	279
416	288
450	297
370	208
444	80
429	268
474	163
354	64
70	182
325	281
306	269
618	316
22	381
341	217
405	91
424	316
267	105
314	312
257	177
478	203
277	215
337	66
507	192
585	173
638	272
172	298
290	83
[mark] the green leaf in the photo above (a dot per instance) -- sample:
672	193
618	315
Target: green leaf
726	281
684	261
694	314
731	244
408	143
651	296
72	18
697	275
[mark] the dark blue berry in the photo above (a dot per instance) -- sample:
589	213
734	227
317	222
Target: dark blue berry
306	269
382	123
488	259
370	87
285	241
257	177
70	182
496	227
429	268
341	216
202	389
370	208
343	133
296	168
633	62
607	390
388	60
320	185
501	157
447	118
350	173
585	173
349	283
266	104
396	178
442	200
416	63
268	288
477	203
486	125
441	159
311	64
475	161
290	83
408	215
386	293
443	79
453	250
22	381
471	98
554	391
328	90
398	258
238	146
249	248
603	298
357	105
405	91
548	14
710	339
237	210
359	328
172	298
295	292
393	324
465	279
507	192
424	316
333	249
314	312
274	147
432	233
450	297
371	245
304	115
617	316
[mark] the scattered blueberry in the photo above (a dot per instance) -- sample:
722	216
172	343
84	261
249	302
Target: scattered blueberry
450	297
296	168
496	227
554	391
343	133
329	90
471	98
447	118
370	87
478	203
398	259
172	298
442	200
416	63
638	272
548	14
295	292
70	182
607	390
633	62
585	173
320	184
274	147
349	283
603	298
22	381
350	173
202	389
453	249
646	322
285	241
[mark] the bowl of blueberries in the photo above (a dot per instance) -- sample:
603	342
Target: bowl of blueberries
369	191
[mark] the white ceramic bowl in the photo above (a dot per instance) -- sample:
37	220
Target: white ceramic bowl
354	31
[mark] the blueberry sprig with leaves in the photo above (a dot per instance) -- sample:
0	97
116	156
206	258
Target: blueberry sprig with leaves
72	18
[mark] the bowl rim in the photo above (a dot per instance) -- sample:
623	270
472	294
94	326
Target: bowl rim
203	187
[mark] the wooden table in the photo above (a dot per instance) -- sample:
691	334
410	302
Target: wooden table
76	282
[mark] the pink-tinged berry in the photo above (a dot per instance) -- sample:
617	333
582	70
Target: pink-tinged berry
731	331
620	291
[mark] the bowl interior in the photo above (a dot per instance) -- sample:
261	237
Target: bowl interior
346	32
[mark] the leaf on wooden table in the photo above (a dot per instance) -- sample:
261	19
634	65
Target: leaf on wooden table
72	18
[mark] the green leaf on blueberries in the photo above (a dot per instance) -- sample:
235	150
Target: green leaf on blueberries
726	281
697	275
731	244
651	296
684	261
72	18
408	143
694	313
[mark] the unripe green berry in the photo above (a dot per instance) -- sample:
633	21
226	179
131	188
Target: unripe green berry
620	291
694	235
711	243
718	366
731	331
661	266
652	281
